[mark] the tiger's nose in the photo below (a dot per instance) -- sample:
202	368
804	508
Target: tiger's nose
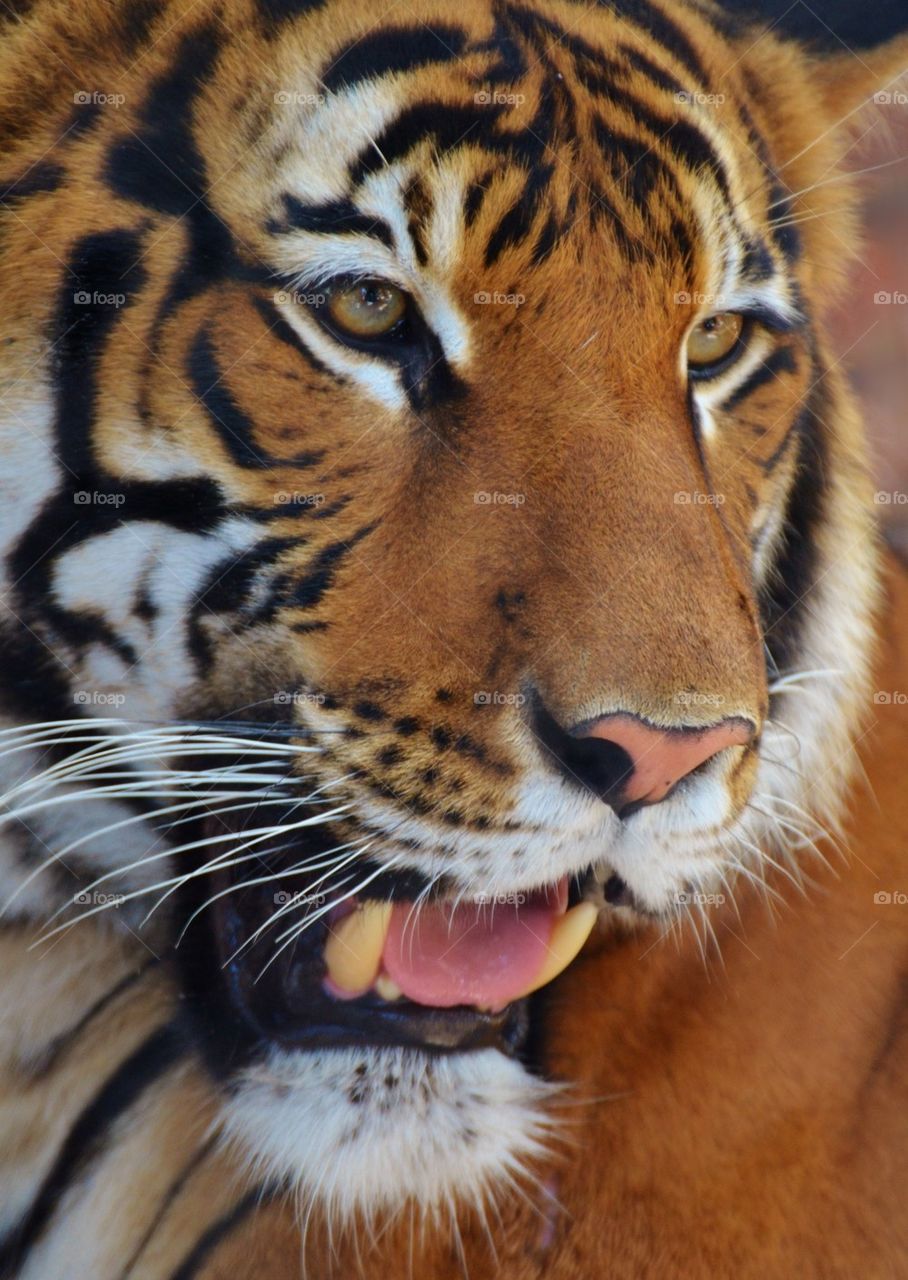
660	758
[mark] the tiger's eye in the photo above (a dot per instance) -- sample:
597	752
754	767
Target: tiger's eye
369	309
712	339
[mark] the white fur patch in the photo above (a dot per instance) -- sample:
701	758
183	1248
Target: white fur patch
363	1131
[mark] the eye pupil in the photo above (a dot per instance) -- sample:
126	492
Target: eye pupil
368	309
713	339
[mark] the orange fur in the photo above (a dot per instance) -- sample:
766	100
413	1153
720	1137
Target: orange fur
736	1114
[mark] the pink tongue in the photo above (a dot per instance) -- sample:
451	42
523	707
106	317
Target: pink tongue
480	955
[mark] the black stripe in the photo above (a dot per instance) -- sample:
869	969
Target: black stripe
633	248
235	428
15	10
597	72
320	575
782	360
392	49
418	205
510	64
658	75
656	23
781	600
757	264
474	198
787	238
635	167
515	225
85	1141
173	1191
681	137
161	167
52	1053
285	333
447	124
41	177
328	219
549	236
274	13
102	267
679	241
769	464
218	1231
134	20
227	590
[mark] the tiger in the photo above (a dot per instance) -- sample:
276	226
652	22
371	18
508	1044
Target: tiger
453	815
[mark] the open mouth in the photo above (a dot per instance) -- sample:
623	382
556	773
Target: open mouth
306	967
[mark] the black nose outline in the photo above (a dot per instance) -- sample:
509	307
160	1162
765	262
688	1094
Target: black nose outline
594	764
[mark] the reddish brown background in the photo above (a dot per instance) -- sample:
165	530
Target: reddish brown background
872	337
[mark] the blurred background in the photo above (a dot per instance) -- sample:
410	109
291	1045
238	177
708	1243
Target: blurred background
871	327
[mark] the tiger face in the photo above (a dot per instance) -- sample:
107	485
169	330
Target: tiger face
423	455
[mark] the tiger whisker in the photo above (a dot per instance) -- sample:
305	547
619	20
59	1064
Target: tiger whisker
133	819
310	920
261	834
284	874
228	860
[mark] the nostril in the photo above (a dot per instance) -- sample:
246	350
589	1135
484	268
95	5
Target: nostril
628	762
662	757
601	766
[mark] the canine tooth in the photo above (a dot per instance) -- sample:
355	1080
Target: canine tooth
354	946
387	988
568	936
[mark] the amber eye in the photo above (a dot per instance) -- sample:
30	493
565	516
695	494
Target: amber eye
713	339
367	309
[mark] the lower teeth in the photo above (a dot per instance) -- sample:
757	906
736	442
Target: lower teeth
387	988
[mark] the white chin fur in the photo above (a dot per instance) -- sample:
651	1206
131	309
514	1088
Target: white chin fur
365	1131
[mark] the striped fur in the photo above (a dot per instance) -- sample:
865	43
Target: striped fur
264	591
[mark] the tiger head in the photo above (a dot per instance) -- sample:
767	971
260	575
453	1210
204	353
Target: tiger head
432	523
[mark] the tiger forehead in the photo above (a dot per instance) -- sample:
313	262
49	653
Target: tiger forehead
513	129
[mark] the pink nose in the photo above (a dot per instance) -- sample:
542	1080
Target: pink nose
662	757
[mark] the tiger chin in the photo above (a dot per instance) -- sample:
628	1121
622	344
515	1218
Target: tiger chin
437	559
